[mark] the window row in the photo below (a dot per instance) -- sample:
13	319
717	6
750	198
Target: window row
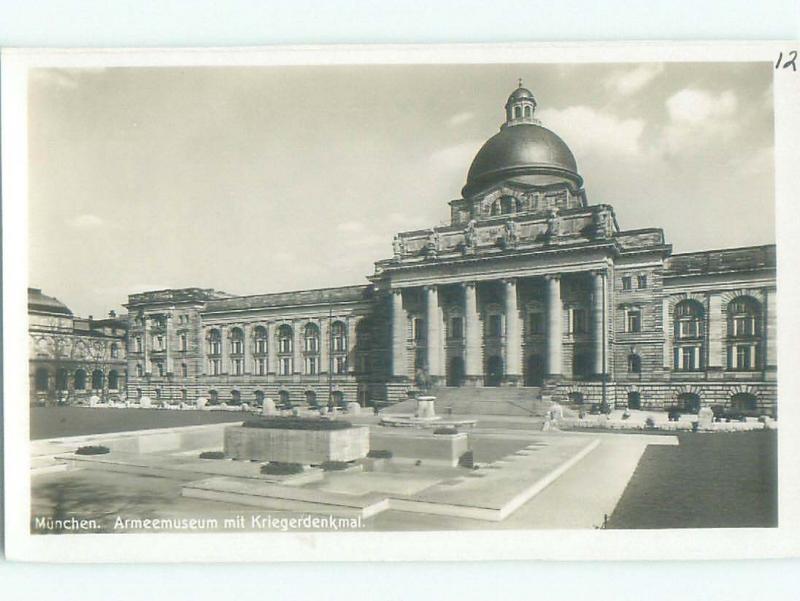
285	338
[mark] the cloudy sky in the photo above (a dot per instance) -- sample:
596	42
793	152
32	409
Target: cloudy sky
254	180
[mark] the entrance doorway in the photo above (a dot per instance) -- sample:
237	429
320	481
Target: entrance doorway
494	371
455	372
634	400
534	371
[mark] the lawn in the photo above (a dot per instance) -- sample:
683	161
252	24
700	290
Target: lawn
56	422
723	480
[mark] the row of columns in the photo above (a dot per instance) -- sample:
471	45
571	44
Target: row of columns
473	363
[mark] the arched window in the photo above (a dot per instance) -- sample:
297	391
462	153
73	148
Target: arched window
508	204
97	379
689	349
259	397
744	334
634	364
285	336
61	379
744	401
113	380
236	397
214	343
311	398
42	378
495	208
311	337
260	335
528	112
80	380
237	341
517	112
339	337
283	397
688	320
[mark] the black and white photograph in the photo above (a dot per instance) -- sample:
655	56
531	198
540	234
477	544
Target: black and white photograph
303	297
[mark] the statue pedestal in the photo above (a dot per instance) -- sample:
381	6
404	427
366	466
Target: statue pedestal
425	407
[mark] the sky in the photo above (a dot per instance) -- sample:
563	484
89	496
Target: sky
265	179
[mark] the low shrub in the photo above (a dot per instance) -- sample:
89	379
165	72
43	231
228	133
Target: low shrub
650	423
212	455
447	430
277	468
335	466
92	450
379	454
297	423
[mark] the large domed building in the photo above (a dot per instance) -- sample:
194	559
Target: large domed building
530	293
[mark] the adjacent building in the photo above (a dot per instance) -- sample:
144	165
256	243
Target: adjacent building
529	286
73	358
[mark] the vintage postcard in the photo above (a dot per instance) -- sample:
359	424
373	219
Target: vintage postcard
401	302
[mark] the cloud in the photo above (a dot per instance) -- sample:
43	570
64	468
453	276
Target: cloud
588	131
695	106
698	116
630	81
460	118
85	221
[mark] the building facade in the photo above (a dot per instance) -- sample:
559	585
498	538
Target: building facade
529	286
74	358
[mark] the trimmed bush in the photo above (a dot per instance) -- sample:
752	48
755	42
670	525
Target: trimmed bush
335	466
277	468
379	454
92	450
212	455
447	431
297	423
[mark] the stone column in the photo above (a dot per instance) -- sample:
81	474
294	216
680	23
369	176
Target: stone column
146	345
554	325
473	360
272	348
399	329
599	321
352	322
226	350
297	347
513	349
324	345
247	349
716	332
167	345
433	331
203	344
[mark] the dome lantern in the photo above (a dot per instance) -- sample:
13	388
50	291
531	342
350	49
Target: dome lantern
520	107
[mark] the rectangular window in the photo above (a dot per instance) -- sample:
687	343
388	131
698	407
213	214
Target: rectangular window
214	367
311	366
456	328
138	344
626	283
184	370
578	321
237	366
286	366
261	346
536	323
495	326
642	281
419	329
340	365
184	342
261	366
743	326
634	321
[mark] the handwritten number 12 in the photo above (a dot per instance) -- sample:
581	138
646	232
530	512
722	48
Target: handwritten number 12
791	61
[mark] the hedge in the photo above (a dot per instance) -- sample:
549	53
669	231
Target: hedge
92	450
277	468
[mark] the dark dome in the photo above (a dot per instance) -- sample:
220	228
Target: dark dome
520	93
525	152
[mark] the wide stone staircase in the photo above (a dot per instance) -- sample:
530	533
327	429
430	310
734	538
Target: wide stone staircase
510	401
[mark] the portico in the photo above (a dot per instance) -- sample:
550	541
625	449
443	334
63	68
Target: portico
509	331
